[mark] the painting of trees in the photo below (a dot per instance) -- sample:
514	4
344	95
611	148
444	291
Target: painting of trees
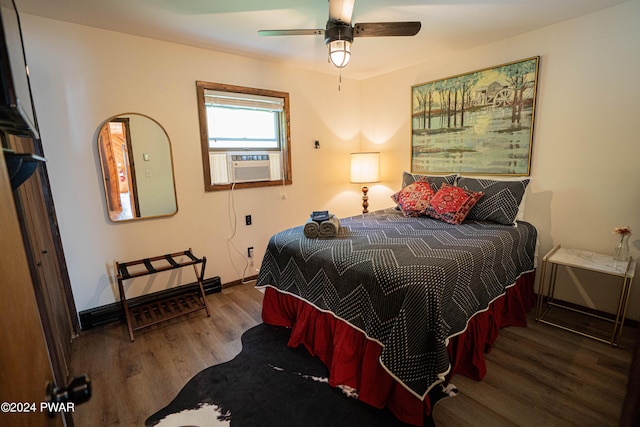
520	77
478	122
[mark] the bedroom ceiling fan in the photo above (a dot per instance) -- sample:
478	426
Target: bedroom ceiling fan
339	32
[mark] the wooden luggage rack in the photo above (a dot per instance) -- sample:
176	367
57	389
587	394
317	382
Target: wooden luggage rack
179	304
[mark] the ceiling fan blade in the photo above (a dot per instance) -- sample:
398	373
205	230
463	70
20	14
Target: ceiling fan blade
290	32
341	10
384	29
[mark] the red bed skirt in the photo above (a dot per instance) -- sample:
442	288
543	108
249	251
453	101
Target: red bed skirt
353	359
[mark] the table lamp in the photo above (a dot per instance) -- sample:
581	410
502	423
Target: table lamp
365	169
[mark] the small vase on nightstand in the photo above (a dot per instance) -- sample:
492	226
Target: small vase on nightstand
622	250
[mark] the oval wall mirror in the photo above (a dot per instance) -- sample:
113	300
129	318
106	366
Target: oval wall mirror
137	168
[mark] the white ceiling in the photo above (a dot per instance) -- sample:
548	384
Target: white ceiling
231	25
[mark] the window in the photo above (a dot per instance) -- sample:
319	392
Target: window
244	136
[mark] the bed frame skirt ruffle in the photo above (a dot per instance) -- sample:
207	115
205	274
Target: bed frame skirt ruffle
353	359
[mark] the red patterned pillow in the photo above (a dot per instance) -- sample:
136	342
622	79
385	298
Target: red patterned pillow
452	204
414	198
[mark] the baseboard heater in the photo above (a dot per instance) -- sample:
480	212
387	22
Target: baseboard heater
113	312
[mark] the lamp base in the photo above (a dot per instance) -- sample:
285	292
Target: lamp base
365	199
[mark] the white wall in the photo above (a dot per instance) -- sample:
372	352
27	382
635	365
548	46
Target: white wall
585	174
585	179
76	87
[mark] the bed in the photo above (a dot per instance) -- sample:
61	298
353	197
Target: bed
395	304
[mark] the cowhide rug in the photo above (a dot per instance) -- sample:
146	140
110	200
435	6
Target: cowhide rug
269	384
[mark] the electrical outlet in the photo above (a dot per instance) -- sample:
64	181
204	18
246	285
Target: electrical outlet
247	219
250	251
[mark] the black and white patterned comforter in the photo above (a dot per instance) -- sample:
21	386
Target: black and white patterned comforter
408	283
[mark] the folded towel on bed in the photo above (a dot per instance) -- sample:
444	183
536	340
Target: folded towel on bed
311	228
330	227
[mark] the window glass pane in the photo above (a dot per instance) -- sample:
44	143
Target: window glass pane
237	123
242	128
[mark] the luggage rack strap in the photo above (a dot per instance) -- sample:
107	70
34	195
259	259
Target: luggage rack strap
171	261
150	268
193	257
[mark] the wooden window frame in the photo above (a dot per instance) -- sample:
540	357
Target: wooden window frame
204	136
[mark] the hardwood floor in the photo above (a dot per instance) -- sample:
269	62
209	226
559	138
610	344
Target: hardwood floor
537	376
132	380
544	376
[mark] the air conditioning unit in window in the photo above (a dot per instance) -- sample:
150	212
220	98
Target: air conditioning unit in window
234	167
250	167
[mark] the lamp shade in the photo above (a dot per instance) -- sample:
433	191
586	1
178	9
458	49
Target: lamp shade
365	168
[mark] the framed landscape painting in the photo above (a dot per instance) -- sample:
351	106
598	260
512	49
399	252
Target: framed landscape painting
476	123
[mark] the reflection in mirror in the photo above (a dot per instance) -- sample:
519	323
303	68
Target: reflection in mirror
137	168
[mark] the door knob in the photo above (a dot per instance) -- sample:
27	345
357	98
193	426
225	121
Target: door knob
61	398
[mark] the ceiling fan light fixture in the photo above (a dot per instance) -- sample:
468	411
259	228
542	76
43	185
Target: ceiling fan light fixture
340	32
340	52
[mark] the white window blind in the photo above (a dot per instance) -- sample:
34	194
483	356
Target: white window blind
243	100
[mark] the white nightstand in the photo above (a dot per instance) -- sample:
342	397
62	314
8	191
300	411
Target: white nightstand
588	261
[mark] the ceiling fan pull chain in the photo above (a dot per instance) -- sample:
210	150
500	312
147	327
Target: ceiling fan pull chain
339	79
